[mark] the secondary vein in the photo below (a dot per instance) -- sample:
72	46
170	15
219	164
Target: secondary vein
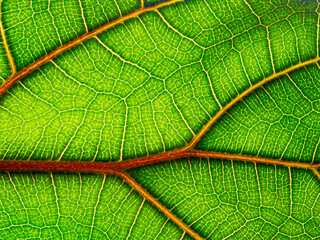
6	46
214	119
157	204
75	42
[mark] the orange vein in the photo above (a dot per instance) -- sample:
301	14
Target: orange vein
6	46
82	38
214	119
156	203
110	167
316	172
253	159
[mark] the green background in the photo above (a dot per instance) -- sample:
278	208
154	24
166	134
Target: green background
146	86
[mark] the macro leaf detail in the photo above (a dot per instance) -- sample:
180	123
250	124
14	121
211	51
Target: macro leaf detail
159	119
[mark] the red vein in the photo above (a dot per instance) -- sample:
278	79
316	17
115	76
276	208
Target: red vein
156	203
82	38
110	167
183	152
118	167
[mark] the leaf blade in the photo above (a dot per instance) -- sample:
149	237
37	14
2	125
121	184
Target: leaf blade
58	112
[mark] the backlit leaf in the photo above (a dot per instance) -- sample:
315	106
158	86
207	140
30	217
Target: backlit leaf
197	119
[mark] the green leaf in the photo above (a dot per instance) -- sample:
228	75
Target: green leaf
159	119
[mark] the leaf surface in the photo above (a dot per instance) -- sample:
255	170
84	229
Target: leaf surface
203	117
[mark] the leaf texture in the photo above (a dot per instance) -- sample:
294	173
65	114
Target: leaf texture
203	117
